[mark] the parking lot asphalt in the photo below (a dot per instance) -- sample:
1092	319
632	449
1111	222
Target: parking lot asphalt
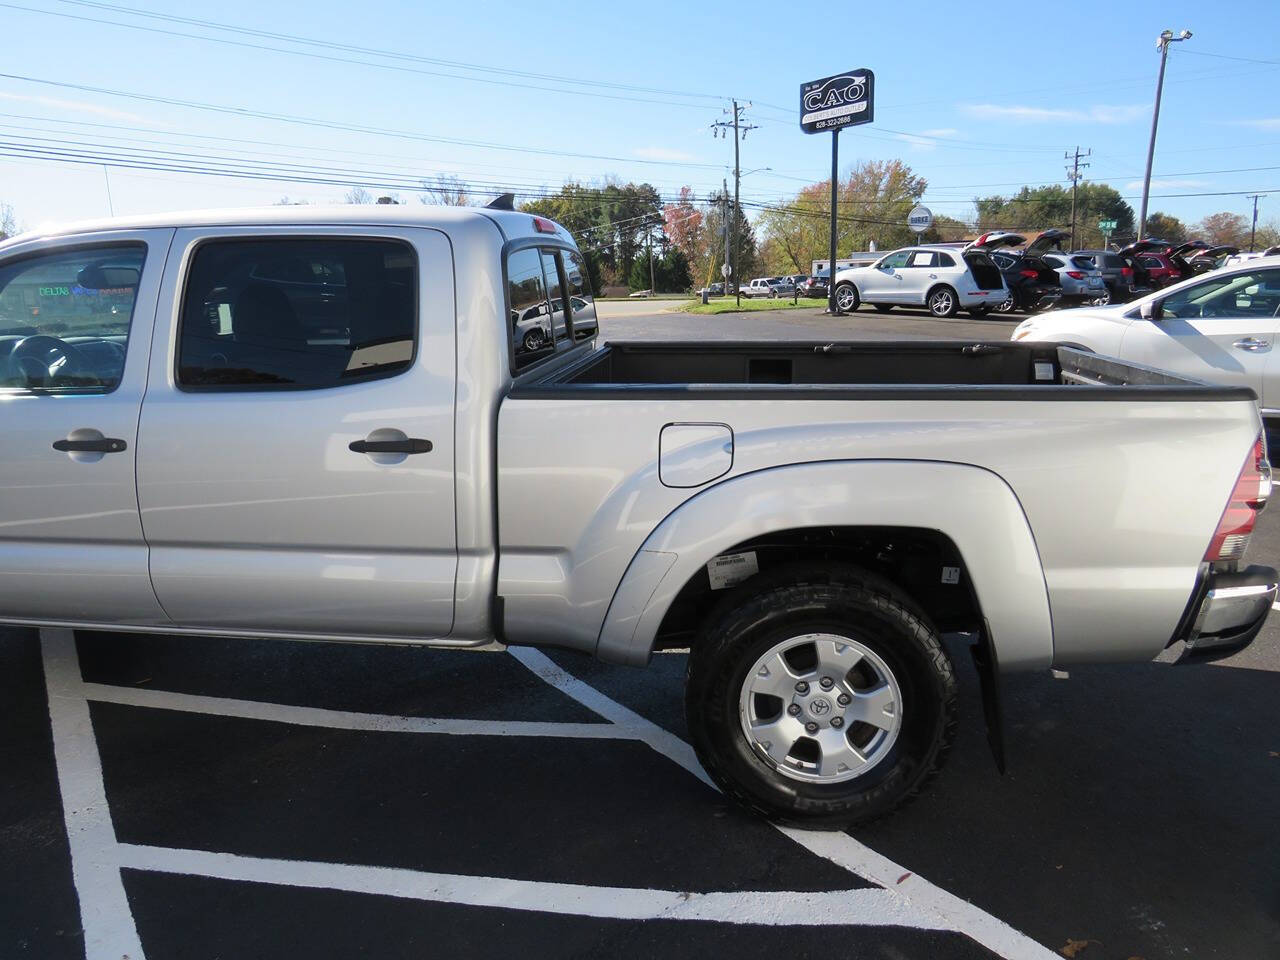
626	321
177	797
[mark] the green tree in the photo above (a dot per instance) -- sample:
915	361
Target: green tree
1162	226
712	248
1033	209
670	272
613	218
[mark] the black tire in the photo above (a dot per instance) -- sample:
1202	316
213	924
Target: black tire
884	307
1008	304
793	601
943	302
851	293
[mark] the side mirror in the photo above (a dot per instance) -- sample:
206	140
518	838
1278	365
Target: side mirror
1150	310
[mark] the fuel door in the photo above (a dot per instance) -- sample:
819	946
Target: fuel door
692	454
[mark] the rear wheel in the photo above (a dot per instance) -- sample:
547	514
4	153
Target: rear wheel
1008	304
943	302
534	340
820	696
884	307
846	297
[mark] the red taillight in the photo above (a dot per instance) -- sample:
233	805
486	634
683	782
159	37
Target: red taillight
1126	272
1028	273
543	225
1075	274
1249	496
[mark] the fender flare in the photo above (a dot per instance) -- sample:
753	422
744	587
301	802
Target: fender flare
974	507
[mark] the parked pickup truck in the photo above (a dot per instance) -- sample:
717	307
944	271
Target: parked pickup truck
767	287
321	424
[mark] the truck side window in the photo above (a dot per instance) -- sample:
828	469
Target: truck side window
582	303
531	332
297	313
65	316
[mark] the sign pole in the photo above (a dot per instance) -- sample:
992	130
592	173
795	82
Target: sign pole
831	266
829	105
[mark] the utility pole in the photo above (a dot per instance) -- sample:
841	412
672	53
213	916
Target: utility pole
652	291
740	129
1073	174
1253	230
1162	42
724	199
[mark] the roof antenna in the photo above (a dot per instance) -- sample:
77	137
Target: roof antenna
504	201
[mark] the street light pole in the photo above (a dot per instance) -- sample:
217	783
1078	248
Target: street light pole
1162	42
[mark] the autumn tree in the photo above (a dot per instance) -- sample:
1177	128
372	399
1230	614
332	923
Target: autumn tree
871	205
1224	228
682	222
1162	226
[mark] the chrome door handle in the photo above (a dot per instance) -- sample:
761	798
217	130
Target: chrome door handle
1252	344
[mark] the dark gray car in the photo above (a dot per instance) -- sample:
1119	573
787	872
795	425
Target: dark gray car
1116	273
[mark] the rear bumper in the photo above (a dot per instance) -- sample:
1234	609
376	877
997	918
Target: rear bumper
1228	612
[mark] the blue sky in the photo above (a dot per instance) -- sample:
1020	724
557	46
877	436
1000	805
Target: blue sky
978	98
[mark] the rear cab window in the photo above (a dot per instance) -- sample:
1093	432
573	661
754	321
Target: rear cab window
65	317
297	313
550	304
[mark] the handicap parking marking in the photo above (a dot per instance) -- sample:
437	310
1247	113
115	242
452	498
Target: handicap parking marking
900	898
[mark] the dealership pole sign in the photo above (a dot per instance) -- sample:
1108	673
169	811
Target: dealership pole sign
828	106
844	100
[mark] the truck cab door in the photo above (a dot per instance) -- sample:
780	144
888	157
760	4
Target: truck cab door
75	330
1222	330
296	448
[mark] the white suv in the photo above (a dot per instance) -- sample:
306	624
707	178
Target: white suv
944	279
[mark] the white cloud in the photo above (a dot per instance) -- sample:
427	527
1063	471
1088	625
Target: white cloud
1262	123
926	139
663	153
1169	184
1099	113
78	106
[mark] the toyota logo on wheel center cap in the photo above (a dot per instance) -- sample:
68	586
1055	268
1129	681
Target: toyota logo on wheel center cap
820	707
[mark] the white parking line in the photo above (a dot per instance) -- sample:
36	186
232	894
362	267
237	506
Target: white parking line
97	856
109	930
947	911
345	719
777	908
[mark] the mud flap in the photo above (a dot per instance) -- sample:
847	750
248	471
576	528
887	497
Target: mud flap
984	659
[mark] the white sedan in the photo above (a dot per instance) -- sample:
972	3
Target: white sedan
1221	327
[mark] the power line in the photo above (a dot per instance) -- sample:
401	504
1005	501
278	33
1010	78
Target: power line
350	127
351	48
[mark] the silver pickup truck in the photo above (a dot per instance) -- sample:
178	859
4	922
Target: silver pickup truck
330	425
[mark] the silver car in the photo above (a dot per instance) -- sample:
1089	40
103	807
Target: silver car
1081	279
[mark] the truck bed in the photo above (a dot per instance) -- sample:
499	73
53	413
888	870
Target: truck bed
864	370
